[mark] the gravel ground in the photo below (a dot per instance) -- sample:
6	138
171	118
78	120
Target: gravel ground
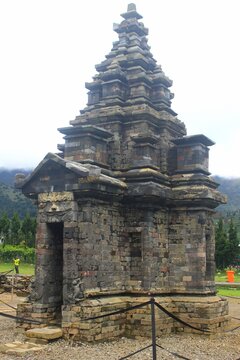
195	347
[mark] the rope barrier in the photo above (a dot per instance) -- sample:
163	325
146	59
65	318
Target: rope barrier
235	318
178	319
136	352
144	304
8	304
236	328
154	344
20	318
119	311
173	353
6	272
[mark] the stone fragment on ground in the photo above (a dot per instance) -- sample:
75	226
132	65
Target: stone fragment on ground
19	348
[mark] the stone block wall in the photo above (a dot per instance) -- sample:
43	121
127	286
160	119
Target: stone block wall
150	230
85	148
206	313
98	256
191	252
94	330
45	314
191	158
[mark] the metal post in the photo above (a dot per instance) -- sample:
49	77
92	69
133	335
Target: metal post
12	287
154	347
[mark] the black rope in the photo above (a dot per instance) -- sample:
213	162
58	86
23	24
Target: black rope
136	352
177	319
21	319
173	353
6	272
144	304
235	318
236	328
8	304
119	311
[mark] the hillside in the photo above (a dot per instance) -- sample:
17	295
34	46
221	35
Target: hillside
231	188
12	200
8	176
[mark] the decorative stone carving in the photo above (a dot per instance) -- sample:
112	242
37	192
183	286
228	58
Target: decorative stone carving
77	293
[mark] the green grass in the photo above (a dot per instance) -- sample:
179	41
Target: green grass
225	291
24	269
221	276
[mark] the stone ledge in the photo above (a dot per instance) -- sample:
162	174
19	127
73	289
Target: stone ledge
48	333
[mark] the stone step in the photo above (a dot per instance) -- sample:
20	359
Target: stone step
46	333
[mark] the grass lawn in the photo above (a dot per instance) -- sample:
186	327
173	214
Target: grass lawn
24	269
225	291
221	276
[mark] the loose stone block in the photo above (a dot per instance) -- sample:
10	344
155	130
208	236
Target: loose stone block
47	333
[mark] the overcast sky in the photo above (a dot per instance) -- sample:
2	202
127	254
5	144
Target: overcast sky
49	49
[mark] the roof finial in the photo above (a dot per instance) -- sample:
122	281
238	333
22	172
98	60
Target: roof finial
131	12
131	7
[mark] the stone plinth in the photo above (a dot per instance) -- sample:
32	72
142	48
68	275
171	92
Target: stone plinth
203	312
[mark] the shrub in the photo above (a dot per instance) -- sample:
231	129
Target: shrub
8	252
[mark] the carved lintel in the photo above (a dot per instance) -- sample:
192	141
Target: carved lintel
55	196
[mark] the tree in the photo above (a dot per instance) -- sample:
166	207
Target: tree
28	230
4	228
227	250
221	245
15	229
233	249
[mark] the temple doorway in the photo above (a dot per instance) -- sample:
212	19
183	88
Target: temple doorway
55	266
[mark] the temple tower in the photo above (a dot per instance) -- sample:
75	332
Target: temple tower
125	208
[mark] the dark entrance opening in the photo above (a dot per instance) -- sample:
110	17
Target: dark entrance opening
55	265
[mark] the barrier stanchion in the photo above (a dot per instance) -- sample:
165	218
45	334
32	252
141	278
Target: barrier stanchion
154	347
12	287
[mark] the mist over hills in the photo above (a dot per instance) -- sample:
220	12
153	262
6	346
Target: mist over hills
7	176
231	188
13	200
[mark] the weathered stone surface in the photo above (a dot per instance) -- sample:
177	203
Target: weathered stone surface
18	348
48	333
126	206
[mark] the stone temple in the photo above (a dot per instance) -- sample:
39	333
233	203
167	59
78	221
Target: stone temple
125	208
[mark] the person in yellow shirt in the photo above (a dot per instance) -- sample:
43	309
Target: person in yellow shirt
16	262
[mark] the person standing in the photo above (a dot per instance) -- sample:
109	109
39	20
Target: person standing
16	262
